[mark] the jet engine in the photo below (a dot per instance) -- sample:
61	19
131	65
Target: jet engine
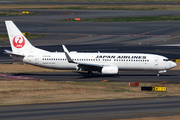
110	70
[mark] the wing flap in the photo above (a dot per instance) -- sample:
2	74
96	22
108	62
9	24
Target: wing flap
90	64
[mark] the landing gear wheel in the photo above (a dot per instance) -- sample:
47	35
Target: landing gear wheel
90	74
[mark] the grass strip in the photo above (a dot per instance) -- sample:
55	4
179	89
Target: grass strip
131	19
33	36
106	8
21	68
16	92
4	37
14	13
110	86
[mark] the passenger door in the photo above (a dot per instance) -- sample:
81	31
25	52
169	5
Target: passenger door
156	61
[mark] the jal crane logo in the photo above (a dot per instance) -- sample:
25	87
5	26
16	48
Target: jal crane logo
18	41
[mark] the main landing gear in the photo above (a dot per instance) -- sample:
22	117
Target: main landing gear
90	74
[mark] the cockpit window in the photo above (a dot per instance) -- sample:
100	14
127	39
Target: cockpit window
166	60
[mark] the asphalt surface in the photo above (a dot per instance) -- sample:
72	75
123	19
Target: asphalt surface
85	36
95	110
84	3
171	76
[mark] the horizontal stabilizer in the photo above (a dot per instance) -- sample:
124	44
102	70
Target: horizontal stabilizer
11	53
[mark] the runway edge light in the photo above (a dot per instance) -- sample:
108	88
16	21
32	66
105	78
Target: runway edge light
26	33
25	12
77	19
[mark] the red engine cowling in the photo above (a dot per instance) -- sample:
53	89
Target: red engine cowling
110	70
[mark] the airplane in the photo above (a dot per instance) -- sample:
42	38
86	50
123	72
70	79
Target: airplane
105	63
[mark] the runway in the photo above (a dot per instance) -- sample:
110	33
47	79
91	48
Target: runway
87	37
95	110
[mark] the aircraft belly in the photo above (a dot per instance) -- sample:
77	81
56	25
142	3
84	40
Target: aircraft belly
135	66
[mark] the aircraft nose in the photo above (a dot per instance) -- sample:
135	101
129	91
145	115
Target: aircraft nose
173	64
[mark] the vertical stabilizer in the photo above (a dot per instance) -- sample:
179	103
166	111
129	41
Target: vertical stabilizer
19	43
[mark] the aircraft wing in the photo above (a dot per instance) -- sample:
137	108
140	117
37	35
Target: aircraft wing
87	65
105	69
11	53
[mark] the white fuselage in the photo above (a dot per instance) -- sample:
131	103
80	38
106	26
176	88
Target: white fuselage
124	61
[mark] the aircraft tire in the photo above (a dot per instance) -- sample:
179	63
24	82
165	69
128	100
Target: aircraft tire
90	74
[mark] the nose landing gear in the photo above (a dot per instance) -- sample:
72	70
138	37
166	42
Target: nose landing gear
162	71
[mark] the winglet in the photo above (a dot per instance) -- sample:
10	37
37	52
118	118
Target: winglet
65	49
67	54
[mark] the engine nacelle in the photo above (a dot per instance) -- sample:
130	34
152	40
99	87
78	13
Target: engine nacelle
110	70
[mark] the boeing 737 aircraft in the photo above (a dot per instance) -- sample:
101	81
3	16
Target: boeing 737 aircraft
106	63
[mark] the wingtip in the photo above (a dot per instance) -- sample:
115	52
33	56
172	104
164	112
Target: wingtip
65	49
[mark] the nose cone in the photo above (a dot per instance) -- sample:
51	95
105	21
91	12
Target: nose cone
173	64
